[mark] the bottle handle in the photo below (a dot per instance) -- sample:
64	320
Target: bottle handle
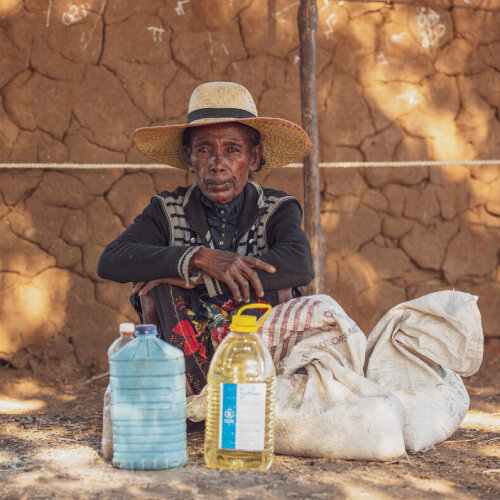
256	306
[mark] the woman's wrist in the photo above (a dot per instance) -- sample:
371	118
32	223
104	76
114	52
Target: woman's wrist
199	258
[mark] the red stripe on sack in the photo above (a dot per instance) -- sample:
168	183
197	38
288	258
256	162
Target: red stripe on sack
272	327
291	332
272	351
284	351
279	310
298	312
299	306
310	313
288	310
300	336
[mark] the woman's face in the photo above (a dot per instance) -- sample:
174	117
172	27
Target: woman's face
221	156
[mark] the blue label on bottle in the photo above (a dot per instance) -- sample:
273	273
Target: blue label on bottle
227	434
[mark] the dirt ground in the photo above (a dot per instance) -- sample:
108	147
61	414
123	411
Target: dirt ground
50	448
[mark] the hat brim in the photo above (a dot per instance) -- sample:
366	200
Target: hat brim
282	141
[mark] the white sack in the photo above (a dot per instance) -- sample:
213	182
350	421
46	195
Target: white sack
331	410
414	351
196	406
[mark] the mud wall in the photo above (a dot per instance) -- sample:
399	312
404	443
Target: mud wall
392	234
396	81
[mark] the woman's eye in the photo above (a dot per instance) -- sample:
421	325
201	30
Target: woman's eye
203	149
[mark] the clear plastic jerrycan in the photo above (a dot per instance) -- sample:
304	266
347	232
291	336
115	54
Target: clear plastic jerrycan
126	335
239	430
148	403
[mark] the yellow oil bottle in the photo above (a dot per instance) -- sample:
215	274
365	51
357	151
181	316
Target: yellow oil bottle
241	391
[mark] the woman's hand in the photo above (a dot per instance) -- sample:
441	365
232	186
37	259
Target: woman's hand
233	269
144	287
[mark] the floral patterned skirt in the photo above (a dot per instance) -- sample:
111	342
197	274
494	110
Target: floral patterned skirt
194	323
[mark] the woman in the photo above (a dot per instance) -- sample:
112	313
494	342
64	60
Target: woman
199	251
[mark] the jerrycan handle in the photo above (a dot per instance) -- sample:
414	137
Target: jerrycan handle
248	324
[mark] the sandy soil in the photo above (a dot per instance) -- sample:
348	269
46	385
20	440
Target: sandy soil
50	448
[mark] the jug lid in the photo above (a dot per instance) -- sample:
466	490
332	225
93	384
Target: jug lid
145	329
127	328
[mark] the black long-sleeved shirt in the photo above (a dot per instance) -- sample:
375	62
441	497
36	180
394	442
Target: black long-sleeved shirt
142	252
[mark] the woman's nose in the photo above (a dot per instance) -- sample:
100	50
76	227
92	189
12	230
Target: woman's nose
217	161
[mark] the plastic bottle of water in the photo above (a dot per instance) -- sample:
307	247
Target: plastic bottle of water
239	431
148	403
126	335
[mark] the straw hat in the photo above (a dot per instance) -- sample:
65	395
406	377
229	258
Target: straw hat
282	141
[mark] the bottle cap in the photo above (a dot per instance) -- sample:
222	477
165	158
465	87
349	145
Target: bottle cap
145	329
244	324
127	328
248	324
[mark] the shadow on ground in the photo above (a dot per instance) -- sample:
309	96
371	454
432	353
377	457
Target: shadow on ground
50	448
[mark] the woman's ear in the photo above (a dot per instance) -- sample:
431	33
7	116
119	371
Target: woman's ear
187	157
255	158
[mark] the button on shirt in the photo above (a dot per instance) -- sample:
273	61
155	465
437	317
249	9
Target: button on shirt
223	219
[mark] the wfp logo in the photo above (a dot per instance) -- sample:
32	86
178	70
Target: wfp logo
229	415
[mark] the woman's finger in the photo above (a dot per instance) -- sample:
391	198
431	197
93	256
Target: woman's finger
242	284
136	286
254	279
148	287
229	281
259	264
173	281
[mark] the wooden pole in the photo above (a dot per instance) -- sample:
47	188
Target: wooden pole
307	20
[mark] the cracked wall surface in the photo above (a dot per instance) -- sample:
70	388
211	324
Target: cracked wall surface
395	81
391	235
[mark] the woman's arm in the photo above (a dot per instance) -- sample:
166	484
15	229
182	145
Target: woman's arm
141	253
289	251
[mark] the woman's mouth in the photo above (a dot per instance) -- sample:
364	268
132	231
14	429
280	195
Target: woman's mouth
218	185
